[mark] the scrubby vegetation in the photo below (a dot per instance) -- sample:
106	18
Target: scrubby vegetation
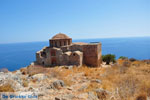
25	83
132	59
123	57
6	88
124	80
108	58
34	70
128	80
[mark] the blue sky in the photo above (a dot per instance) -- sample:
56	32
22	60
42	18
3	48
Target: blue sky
39	20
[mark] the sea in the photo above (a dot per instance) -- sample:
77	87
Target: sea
14	56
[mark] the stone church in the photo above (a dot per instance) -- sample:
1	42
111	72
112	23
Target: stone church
61	51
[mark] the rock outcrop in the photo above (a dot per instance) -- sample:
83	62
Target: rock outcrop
51	87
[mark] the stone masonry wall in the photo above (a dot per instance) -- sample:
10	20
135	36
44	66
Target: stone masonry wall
99	54
76	48
89	54
92	54
76	58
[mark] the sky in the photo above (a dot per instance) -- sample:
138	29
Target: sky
39	20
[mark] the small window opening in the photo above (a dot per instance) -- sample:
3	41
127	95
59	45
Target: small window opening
74	54
60	43
43	54
53	53
51	44
56	44
64	42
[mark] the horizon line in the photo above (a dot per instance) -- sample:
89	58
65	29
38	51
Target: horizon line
78	39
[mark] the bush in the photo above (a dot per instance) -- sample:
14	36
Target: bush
109	58
132	59
123	57
142	97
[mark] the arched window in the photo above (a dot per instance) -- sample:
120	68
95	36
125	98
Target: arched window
53	61
68	42
43	63
53	53
55	44
64	42
60	43
51	44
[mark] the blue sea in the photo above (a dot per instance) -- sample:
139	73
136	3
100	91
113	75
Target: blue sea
16	55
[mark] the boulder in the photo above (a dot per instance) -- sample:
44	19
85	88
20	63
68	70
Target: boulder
68	67
32	89
97	81
14	79
82	88
51	86
39	77
92	96
58	83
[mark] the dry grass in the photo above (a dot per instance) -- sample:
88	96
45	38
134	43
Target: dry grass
6	88
67	81
126	80
25	83
23	71
91	87
32	70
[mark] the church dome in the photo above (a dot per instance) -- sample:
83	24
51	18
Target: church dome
60	36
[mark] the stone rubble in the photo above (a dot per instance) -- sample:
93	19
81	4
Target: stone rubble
50	88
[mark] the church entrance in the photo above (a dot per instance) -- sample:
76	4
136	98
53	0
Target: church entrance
53	61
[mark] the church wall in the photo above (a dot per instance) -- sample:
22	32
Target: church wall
92	55
58	54
76	59
76	48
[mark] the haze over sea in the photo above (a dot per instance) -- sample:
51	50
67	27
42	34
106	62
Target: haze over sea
16	55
